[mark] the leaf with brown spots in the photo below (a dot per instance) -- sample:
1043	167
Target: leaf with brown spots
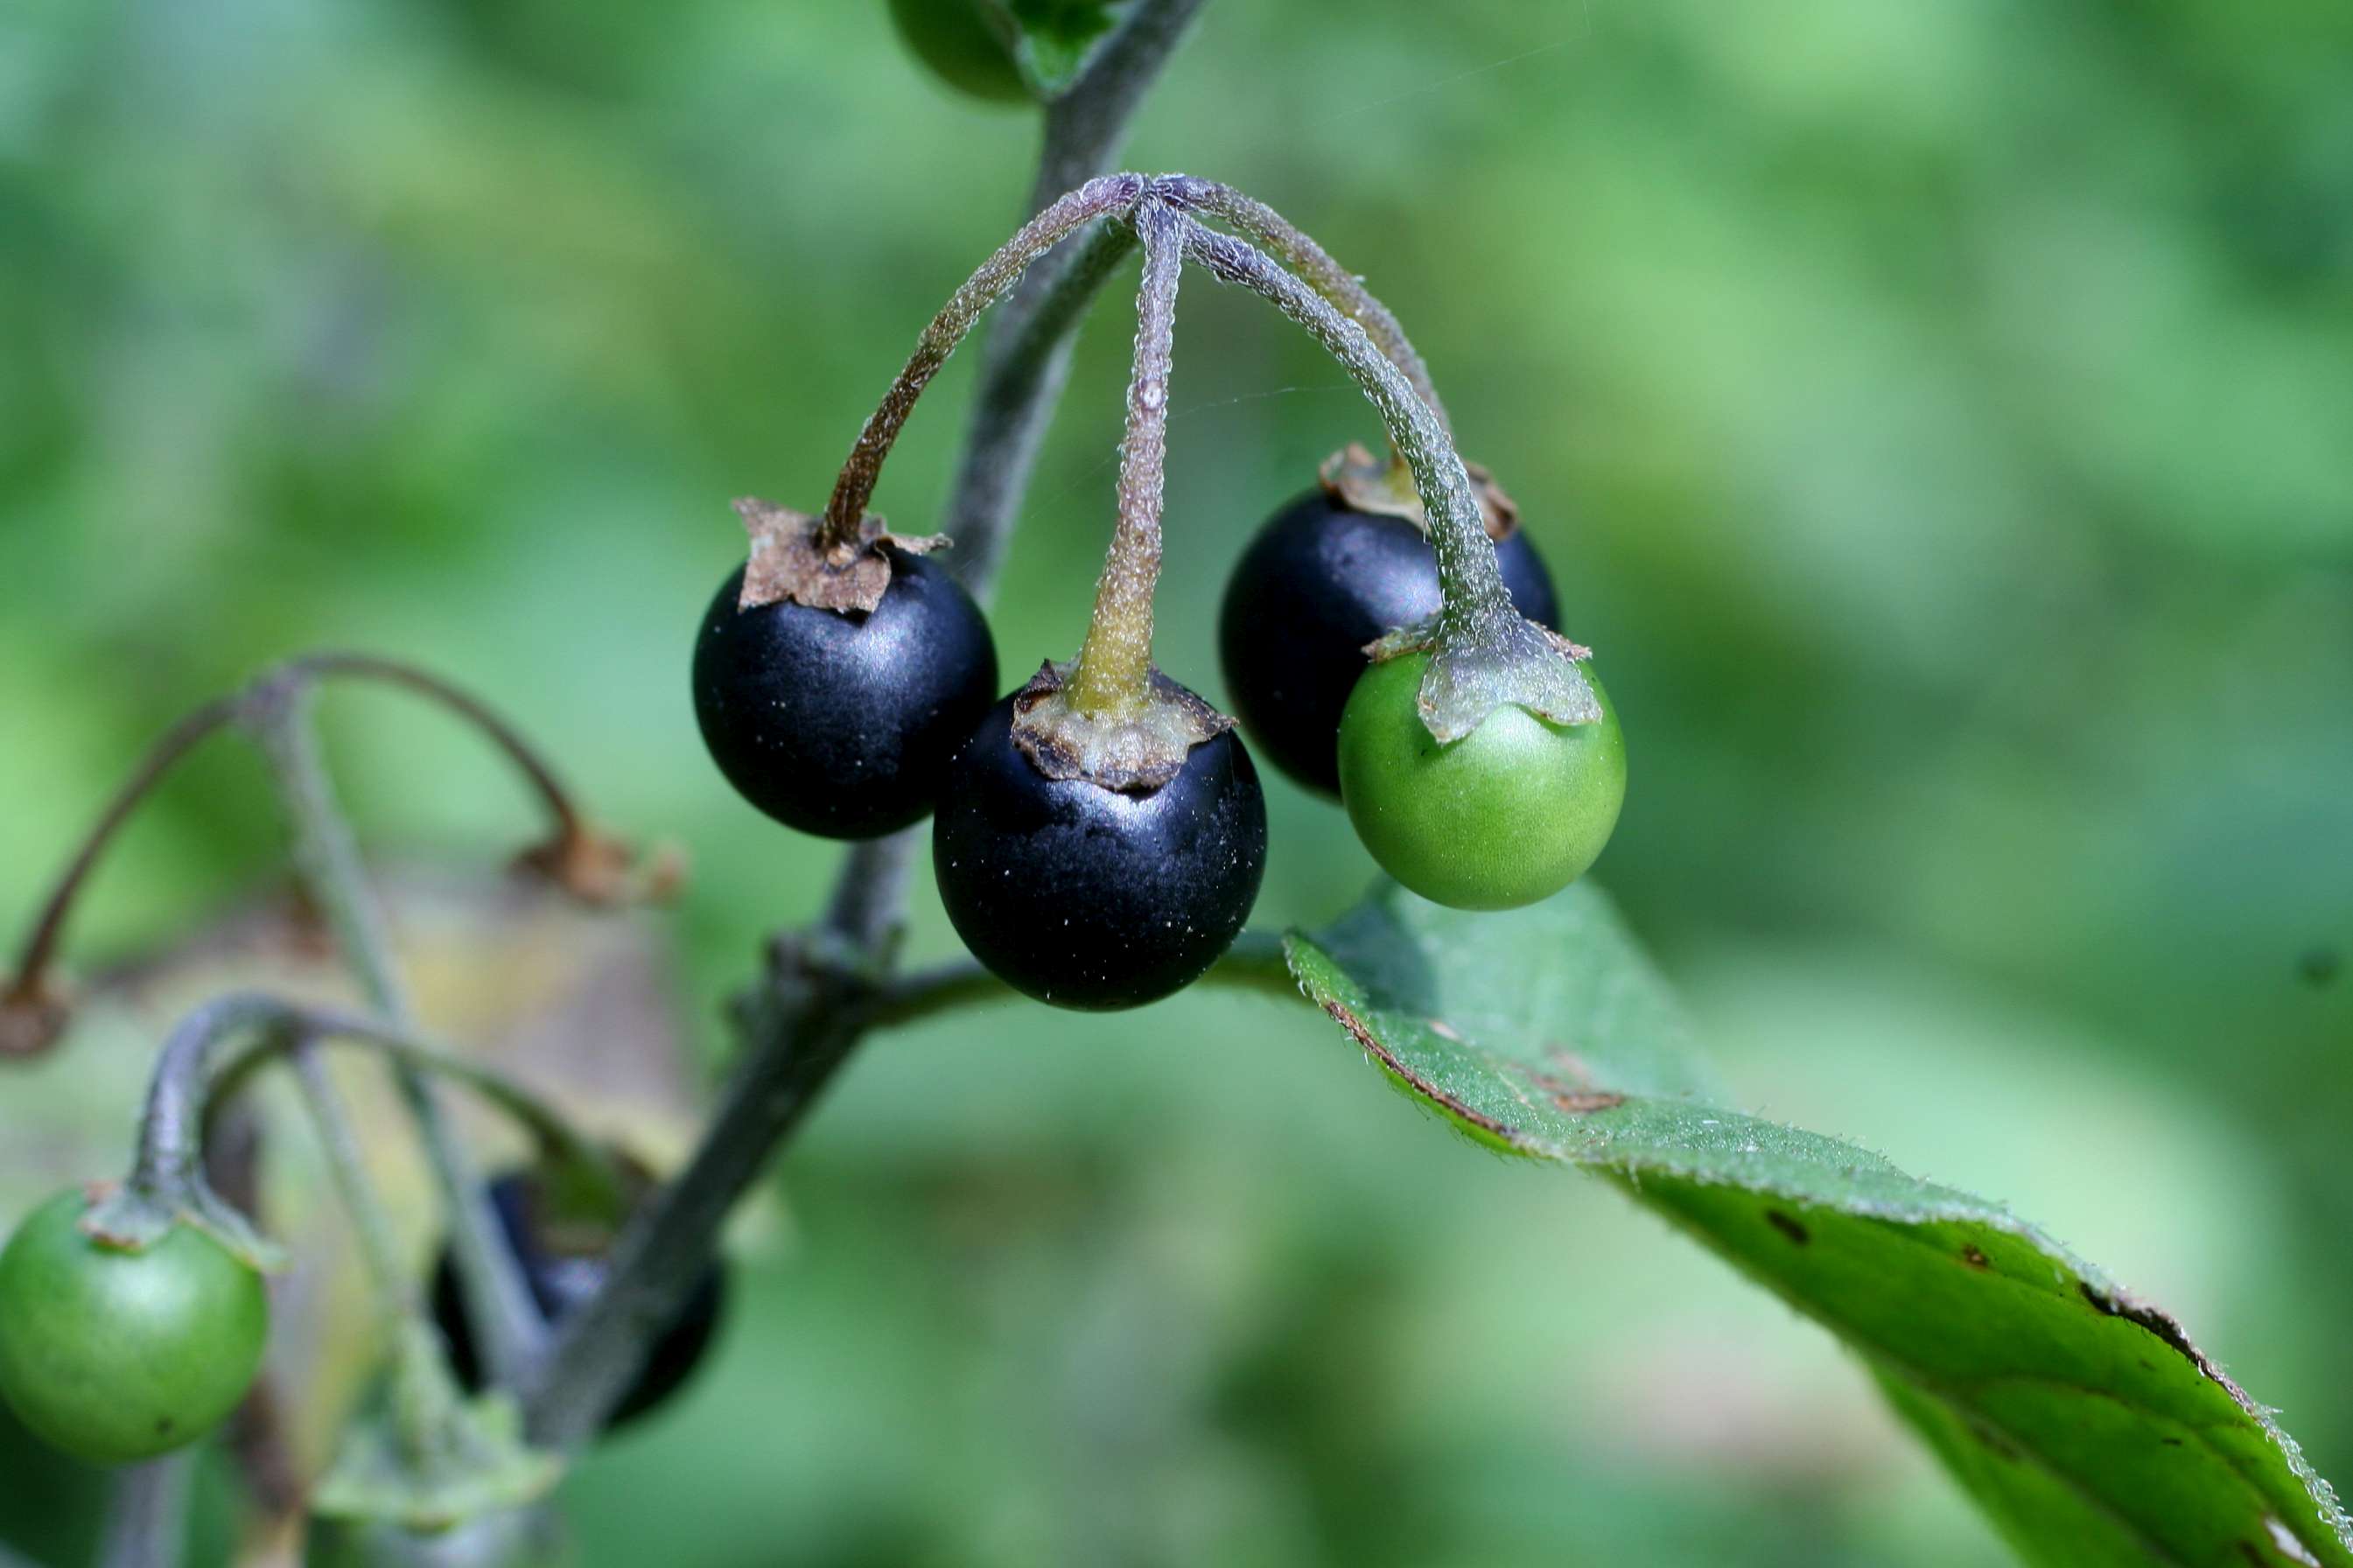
2083	1420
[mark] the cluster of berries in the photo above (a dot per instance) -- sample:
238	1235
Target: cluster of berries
855	724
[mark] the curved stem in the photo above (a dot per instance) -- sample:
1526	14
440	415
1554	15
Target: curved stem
1315	267
1113	673
190	1078
537	772
1084	128
1468	574
26	986
1111	195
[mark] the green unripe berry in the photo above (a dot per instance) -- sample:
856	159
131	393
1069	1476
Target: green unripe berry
115	1356
1510	813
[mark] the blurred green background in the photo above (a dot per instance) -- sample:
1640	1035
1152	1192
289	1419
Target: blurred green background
1939	418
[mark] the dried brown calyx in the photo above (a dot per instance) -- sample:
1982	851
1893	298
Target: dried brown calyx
791	561
1135	752
32	1019
1384	487
604	871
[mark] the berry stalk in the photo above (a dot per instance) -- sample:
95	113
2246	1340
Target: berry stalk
35	1017
1467	572
1484	653
1028	357
30	1013
1111	195
1113	675
1314	266
802	1020
190	1079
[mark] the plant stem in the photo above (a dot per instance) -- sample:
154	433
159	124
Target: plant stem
563	812
189	1082
1467	575
1086	124
147	1524
1315	267
395	1295
28	986
498	1306
1095	199
1112	677
806	1016
170	1128
1083	129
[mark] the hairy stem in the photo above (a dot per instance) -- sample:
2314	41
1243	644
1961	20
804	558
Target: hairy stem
807	1016
147	1522
1022	371
498	1305
1096	199
1295	249
1468	574
1113	674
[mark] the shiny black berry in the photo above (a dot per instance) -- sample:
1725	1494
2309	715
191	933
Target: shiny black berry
839	723
564	1261
1092	897
1318	583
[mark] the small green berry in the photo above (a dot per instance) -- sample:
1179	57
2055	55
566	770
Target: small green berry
1510	813
115	1356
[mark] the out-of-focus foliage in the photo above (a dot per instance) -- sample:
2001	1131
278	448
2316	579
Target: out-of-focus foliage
1934	416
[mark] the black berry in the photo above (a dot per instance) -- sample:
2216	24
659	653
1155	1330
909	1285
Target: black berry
1318	583
839	723
563	1264
1093	898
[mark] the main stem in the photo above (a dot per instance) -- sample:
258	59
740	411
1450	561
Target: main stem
1096	199
499	1306
808	1015
1113	674
1468	574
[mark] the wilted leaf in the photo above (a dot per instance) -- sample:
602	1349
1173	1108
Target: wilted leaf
2084	1421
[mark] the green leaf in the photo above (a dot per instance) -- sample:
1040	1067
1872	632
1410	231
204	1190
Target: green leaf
2082	1420
1054	37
